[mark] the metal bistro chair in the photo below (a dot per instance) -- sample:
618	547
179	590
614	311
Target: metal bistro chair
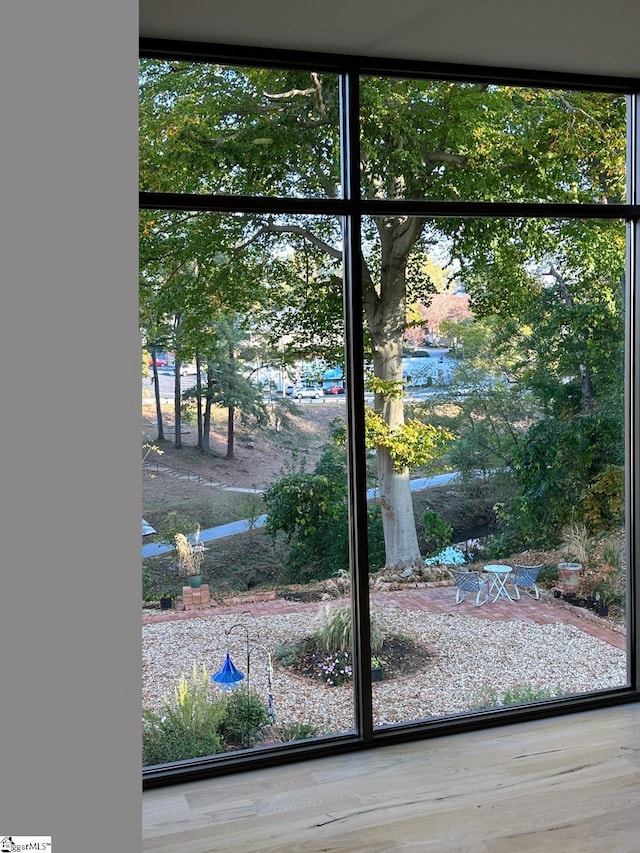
470	582
526	577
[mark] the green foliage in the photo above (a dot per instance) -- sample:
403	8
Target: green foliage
335	630
173	524
577	544
437	533
189	410
501	545
390	389
335	668
274	132
410	445
518	695
548	576
185	728
311	509
288	732
146	582
193	726
287	653
556	463
603	501
613	552
243	718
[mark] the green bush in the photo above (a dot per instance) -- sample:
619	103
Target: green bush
311	509
173	524
243	719
185	728
335	632
287	654
518	695
548	576
295	731
193	726
437	533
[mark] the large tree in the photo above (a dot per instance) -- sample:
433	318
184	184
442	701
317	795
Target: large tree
207	128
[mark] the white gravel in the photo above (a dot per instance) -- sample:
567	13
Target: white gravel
472	657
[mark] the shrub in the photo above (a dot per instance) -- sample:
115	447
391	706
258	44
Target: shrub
193	726
335	631
311	509
287	654
547	576
336	668
243	719
190	553
295	731
576	542
517	695
437	533
172	524
603	502
186	728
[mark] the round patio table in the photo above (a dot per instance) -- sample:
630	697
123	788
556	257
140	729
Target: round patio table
499	576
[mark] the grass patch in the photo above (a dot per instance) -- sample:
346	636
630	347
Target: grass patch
246	561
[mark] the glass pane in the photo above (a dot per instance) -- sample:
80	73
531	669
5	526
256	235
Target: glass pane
438	140
238	131
242	317
496	422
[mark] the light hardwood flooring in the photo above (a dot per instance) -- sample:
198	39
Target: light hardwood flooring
570	784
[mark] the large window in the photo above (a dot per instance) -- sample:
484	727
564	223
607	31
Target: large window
389	411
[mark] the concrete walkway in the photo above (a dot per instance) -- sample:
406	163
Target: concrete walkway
153	549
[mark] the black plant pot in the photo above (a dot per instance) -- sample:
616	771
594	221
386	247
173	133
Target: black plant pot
377	673
602	610
557	593
166	602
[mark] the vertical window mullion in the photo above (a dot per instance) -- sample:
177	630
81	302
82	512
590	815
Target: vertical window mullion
632	374
354	357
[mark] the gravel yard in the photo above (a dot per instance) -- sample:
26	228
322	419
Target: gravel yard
472	657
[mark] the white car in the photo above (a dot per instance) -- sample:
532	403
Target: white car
314	393
188	369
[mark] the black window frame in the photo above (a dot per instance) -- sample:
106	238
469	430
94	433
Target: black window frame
352	208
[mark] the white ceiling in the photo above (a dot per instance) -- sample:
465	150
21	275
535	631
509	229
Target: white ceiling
582	36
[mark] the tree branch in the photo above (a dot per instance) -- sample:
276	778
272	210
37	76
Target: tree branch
307	235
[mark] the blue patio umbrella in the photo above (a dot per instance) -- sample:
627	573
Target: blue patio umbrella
229	676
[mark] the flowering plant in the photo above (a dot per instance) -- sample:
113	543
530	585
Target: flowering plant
336	669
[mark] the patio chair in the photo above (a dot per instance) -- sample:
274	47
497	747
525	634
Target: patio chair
470	582
526	577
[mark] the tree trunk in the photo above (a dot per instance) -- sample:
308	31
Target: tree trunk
385	311
177	412
396	504
230	436
206	420
156	394
199	402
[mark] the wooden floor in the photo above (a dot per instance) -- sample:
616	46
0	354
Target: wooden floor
569	784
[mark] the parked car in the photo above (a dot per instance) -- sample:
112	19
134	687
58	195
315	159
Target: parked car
334	389
314	393
161	361
187	369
